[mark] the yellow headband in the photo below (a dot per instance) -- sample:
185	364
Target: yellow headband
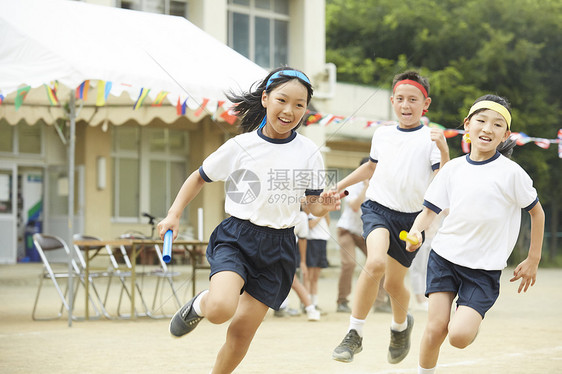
487	104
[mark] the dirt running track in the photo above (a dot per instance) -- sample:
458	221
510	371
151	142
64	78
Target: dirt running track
521	334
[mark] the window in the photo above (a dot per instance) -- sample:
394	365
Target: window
149	167
259	30
171	7
21	139
126	179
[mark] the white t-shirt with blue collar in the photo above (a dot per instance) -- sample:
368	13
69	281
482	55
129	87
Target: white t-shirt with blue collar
484	201
266	178
406	159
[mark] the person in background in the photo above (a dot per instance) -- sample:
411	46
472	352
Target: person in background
313	314
316	253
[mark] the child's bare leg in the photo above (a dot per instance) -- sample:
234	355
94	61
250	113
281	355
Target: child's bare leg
397	291
464	326
301	291
314	274
367	286
220	304
241	331
439	314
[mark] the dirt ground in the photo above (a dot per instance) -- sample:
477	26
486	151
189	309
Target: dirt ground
521	334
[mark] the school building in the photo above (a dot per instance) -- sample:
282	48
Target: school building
128	162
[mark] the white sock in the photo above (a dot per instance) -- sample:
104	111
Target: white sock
357	325
399	326
309	308
284	303
314	299
425	371
197	303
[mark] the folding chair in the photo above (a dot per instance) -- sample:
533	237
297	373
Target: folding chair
168	275
161	273
55	252
123	275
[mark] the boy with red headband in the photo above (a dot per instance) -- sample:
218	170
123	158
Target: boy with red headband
403	160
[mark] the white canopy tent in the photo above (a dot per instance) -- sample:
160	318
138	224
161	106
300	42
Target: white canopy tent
42	41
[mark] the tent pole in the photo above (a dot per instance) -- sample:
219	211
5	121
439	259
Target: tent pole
71	148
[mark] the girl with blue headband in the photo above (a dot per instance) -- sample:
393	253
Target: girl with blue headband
484	192
268	170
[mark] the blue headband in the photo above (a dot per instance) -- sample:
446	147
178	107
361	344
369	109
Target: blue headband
277	75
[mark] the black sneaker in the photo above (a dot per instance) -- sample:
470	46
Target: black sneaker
350	345
400	342
185	319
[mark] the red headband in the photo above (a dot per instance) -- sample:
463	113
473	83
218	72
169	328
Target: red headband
413	83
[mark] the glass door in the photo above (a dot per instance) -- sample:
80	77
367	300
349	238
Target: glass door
8	215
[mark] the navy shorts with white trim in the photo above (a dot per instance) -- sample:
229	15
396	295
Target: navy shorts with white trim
376	215
264	257
476	288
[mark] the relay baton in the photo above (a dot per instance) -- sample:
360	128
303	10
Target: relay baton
167	250
404	236
343	194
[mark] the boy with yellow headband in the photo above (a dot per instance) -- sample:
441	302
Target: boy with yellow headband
484	192
403	160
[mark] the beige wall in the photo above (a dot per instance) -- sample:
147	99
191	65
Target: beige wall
211	16
92	143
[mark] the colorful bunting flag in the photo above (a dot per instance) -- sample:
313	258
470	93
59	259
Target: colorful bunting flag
103	92
201	108
325	121
159	98
560	143
142	96
220	103
450	133
543	143
1	98
52	93
20	96
229	115
313	118
184	107
82	90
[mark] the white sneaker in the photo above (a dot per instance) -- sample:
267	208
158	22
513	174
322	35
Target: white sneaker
313	315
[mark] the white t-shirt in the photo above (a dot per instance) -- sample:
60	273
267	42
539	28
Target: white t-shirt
485	201
319	232
351	220
405	161
266	178
301	227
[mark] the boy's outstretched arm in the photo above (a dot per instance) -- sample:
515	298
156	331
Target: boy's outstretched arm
422	222
363	172
321	205
527	270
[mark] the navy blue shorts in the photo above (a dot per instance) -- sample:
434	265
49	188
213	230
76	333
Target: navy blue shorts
264	257
316	256
376	215
476	288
